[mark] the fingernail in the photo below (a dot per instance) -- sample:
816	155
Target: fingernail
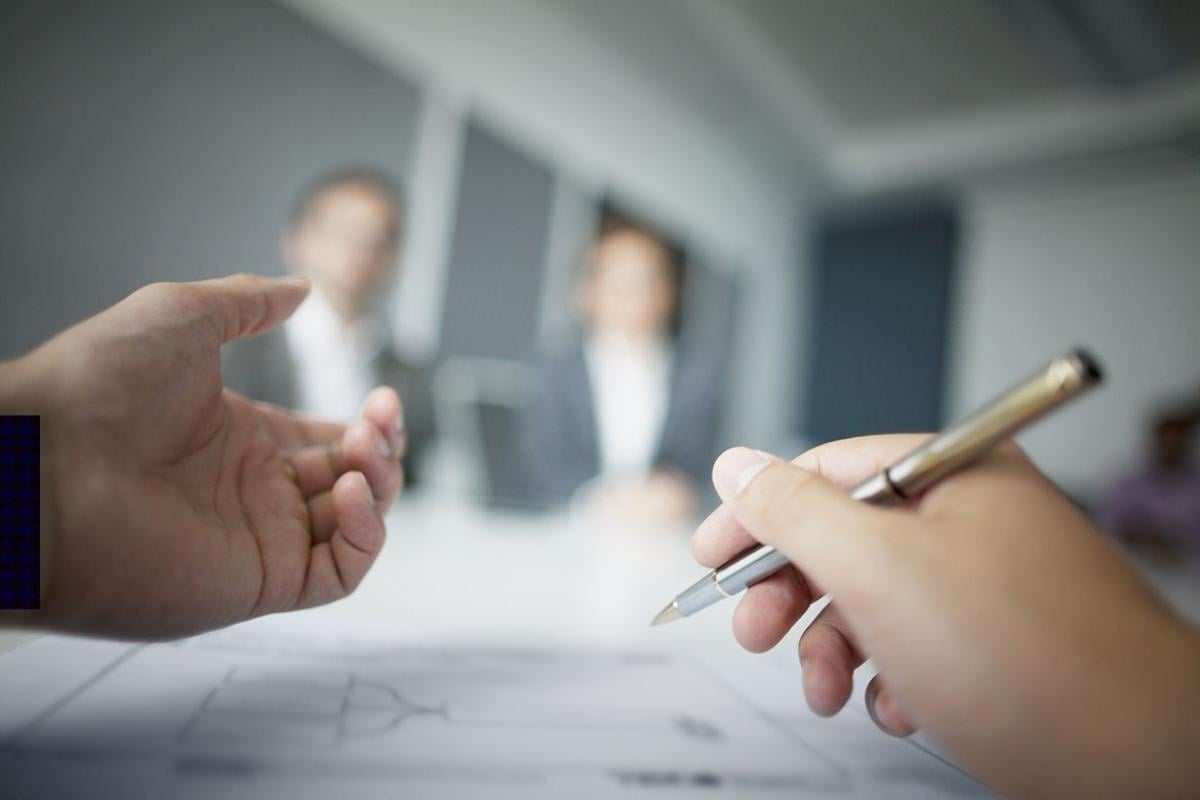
383	446
869	701
367	489
398	425
736	468
872	699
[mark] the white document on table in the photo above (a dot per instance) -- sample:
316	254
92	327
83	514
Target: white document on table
259	711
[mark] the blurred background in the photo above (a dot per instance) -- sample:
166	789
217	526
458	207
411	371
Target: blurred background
858	215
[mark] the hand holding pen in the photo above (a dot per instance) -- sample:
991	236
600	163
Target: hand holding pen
999	618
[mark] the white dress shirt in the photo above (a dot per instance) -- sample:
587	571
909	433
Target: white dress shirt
631	389
332	359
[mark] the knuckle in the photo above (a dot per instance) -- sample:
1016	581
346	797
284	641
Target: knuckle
160	292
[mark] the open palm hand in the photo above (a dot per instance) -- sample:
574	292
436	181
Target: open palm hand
174	505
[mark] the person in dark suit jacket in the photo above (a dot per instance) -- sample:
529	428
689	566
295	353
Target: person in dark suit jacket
343	236
624	416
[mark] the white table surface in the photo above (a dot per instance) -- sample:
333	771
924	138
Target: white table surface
454	571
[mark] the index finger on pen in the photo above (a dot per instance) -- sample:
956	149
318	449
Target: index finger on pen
719	538
846	462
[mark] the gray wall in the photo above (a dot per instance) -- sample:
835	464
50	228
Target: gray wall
145	140
497	255
1103	255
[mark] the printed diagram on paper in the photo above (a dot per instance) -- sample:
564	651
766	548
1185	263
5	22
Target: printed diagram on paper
268	711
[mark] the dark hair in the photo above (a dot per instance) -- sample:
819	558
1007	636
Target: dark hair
376	179
614	223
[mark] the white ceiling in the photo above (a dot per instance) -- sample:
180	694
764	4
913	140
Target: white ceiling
877	95
884	94
877	63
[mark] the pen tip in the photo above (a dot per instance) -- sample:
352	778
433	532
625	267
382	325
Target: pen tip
668	614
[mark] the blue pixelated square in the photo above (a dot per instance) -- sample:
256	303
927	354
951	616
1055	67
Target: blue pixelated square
20	512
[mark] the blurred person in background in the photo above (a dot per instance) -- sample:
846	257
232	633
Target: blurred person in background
1156	508
624	418
343	236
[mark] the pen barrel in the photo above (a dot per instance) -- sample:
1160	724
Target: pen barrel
701	594
1050	387
749	569
958	446
762	562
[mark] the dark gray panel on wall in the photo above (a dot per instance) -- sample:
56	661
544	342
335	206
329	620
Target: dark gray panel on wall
709	308
883	289
147	140
497	257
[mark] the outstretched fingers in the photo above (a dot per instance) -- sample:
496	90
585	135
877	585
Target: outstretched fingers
293	430
367	451
337	566
362	448
384	410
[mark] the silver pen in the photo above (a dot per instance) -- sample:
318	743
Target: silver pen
956	447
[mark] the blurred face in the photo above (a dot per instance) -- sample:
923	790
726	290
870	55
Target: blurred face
629	290
345	242
1170	445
